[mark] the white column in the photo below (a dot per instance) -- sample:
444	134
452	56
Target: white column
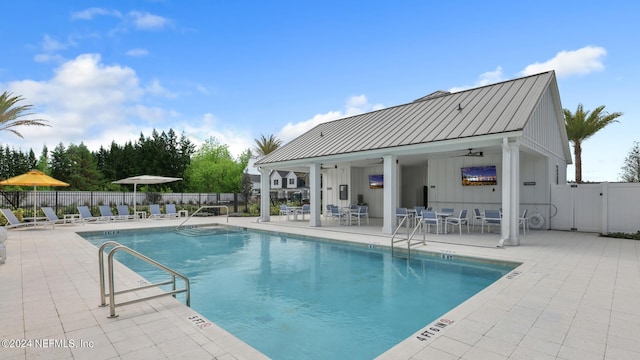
506	192
265	195
510	193
314	195
390	201
514	230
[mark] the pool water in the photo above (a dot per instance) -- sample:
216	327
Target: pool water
294	297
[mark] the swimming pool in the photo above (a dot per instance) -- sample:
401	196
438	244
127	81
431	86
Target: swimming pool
294	297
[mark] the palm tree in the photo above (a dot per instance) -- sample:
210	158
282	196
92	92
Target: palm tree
265	145
582	125
11	115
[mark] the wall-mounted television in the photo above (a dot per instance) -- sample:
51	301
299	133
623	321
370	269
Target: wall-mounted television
479	175
376	181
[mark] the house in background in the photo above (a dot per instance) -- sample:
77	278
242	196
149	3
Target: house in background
417	153
289	185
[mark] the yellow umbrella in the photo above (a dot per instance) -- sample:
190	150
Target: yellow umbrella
33	178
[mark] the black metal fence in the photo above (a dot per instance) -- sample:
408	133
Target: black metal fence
66	202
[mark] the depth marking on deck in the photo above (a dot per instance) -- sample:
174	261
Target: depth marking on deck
199	322
433	329
513	274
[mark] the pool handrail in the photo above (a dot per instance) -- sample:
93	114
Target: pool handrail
204	207
112	293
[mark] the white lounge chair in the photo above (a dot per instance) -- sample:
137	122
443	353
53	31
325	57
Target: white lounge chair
52	218
170	210
155	212
124	214
524	221
106	213
85	214
12	220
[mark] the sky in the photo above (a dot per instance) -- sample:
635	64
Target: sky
104	71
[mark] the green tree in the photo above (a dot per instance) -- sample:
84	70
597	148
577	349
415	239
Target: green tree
214	170
265	145
582	125
631	167
12	115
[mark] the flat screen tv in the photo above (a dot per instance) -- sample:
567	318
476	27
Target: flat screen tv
376	181
479	175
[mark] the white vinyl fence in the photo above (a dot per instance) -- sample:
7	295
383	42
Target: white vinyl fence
602	208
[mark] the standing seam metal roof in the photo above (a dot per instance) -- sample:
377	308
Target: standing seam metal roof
491	109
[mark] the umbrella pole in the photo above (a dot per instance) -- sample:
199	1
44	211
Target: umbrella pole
34	206
134	199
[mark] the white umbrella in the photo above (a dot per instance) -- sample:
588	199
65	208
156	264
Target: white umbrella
145	180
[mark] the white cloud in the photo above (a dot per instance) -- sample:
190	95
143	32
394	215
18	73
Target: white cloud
85	101
486	78
566	63
138	52
90	13
146	21
355	105
156	88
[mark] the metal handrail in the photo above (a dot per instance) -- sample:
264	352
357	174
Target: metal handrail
409	235
112	293
205	207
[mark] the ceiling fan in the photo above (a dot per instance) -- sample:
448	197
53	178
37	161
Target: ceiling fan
474	153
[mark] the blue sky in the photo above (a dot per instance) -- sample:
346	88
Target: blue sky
101	71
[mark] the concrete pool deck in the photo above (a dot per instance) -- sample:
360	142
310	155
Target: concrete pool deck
575	296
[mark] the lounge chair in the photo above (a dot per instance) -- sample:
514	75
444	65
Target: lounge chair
106	213
85	214
155	212
124	214
13	222
52	218
170	210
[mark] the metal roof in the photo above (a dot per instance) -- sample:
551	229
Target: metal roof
492	109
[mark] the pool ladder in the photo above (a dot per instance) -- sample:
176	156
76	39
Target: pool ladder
181	226
410	236
112	293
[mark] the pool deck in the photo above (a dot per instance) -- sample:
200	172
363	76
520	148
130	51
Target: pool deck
575	296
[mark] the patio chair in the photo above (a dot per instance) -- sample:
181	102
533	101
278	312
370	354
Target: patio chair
418	213
335	213
85	214
284	210
363	212
401	213
459	221
306	209
491	217
52	218
477	217
524	221
12	220
170	211
430	218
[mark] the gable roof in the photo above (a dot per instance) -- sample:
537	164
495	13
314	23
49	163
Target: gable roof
493	109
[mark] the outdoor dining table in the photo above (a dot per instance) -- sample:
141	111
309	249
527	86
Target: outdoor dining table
295	210
346	210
